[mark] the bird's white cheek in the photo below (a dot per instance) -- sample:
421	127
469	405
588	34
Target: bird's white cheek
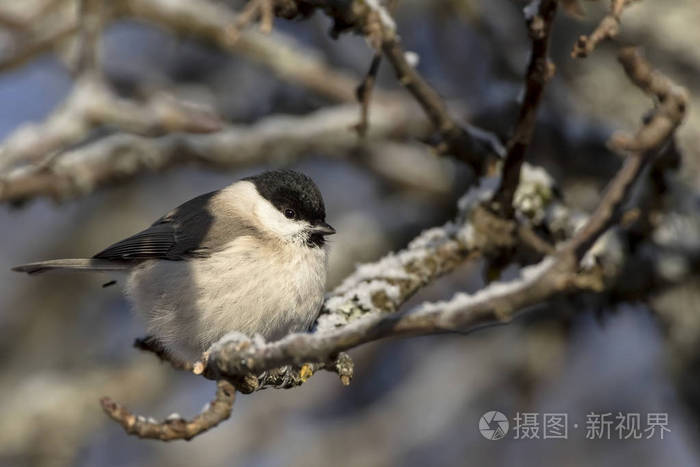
274	221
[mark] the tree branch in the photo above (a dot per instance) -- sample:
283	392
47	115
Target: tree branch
364	94
373	21
539	71
639	148
92	104
90	19
151	344
175	427
276	139
215	23
38	31
608	28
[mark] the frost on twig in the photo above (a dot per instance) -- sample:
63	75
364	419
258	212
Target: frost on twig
91	105
277	139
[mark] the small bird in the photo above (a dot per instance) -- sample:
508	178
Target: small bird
251	257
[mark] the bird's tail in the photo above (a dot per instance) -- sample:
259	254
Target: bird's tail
90	264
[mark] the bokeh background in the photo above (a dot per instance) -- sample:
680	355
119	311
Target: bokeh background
65	341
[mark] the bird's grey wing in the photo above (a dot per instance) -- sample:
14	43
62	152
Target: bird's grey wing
188	231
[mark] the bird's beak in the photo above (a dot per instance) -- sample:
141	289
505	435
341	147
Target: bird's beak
322	229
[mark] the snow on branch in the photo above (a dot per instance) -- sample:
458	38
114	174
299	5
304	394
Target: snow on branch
275	139
93	104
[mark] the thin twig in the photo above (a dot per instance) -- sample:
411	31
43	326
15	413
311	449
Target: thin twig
671	100
263	9
213	22
151	344
539	72
36	39
175	427
90	21
364	94
267	16
641	147
608	28
373	21
457	141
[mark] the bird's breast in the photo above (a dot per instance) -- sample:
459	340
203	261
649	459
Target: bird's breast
245	287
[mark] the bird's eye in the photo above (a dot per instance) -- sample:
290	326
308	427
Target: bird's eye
290	214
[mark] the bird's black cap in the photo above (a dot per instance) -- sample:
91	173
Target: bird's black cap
287	189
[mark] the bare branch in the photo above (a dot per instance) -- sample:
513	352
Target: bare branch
151	344
539	71
175	427
364	94
288	376
267	16
608	28
375	23
253	9
496	303
90	20
457	141
641	148
664	119
213	22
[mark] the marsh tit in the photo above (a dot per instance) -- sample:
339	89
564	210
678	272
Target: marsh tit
251	257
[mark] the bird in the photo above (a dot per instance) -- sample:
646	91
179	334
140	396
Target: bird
250	258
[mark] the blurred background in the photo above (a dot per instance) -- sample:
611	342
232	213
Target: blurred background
65	341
